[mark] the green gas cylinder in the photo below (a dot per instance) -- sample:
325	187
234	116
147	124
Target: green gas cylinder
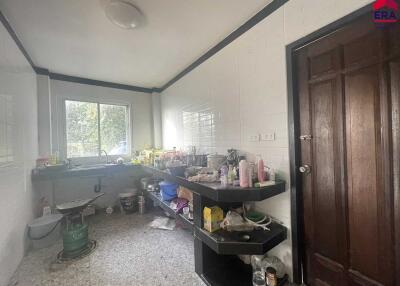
75	239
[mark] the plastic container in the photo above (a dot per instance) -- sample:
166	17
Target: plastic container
244	174
45	231
168	191
260	169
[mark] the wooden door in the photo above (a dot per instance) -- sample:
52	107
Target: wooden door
345	83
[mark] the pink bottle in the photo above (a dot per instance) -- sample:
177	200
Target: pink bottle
260	169
243	174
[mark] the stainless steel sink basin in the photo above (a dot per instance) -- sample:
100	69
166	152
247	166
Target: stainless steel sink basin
95	166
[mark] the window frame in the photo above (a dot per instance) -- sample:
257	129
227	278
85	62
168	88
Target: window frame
98	101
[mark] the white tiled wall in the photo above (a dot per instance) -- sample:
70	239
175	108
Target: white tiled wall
18	86
242	91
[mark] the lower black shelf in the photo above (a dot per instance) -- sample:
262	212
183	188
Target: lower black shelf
225	242
230	270
156	197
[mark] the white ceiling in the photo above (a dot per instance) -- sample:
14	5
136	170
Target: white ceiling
74	37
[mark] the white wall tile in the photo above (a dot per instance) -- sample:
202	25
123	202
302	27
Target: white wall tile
18	82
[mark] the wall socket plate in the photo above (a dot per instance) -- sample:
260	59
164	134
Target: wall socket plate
270	136
254	138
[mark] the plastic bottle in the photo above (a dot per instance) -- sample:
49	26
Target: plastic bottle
224	175
251	171
231	175
272	176
244	174
260	169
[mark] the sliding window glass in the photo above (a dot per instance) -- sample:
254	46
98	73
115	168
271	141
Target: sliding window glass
93	127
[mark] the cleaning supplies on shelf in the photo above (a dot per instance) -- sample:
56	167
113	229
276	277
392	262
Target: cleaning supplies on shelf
243	174
260	169
271	174
251	172
224	175
213	216
231	175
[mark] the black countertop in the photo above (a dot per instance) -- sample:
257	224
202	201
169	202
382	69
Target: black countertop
89	171
219	193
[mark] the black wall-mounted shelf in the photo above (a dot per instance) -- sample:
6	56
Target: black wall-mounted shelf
216	260
222	270
225	242
218	193
156	197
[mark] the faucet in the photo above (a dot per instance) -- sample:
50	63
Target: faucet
104	151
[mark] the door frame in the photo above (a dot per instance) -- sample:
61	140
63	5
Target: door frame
298	251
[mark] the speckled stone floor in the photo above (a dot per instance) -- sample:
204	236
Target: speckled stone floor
129	252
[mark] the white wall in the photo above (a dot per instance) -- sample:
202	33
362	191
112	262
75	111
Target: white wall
18	81
157	121
241	91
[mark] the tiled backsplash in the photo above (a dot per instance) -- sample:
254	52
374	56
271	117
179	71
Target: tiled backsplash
199	127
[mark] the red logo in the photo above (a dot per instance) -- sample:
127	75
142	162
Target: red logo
385	11
391	4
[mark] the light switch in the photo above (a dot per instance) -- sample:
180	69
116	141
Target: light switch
270	136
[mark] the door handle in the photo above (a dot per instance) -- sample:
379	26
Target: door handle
306	169
305	137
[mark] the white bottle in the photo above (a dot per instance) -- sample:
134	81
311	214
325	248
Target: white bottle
272	175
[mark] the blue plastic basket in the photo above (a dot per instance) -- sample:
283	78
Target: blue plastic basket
168	191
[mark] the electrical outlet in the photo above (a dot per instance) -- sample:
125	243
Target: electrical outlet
254	138
268	136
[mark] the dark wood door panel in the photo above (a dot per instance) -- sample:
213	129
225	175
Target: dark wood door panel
394	40
357	279
349	102
327	271
325	63
362	97
324	188
395	96
362	50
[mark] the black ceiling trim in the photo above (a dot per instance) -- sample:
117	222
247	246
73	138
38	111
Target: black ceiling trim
75	79
13	35
265	12
44	71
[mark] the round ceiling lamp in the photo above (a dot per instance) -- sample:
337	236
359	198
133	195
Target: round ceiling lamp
124	14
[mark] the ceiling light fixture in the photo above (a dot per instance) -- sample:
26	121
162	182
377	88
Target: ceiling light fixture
124	14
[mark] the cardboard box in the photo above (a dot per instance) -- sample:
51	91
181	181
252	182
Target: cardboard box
213	216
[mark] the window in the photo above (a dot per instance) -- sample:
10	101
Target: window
92	127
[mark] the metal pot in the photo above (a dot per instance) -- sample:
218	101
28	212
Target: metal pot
155	187
144	182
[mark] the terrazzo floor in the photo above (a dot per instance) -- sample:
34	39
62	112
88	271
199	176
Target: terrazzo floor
129	252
